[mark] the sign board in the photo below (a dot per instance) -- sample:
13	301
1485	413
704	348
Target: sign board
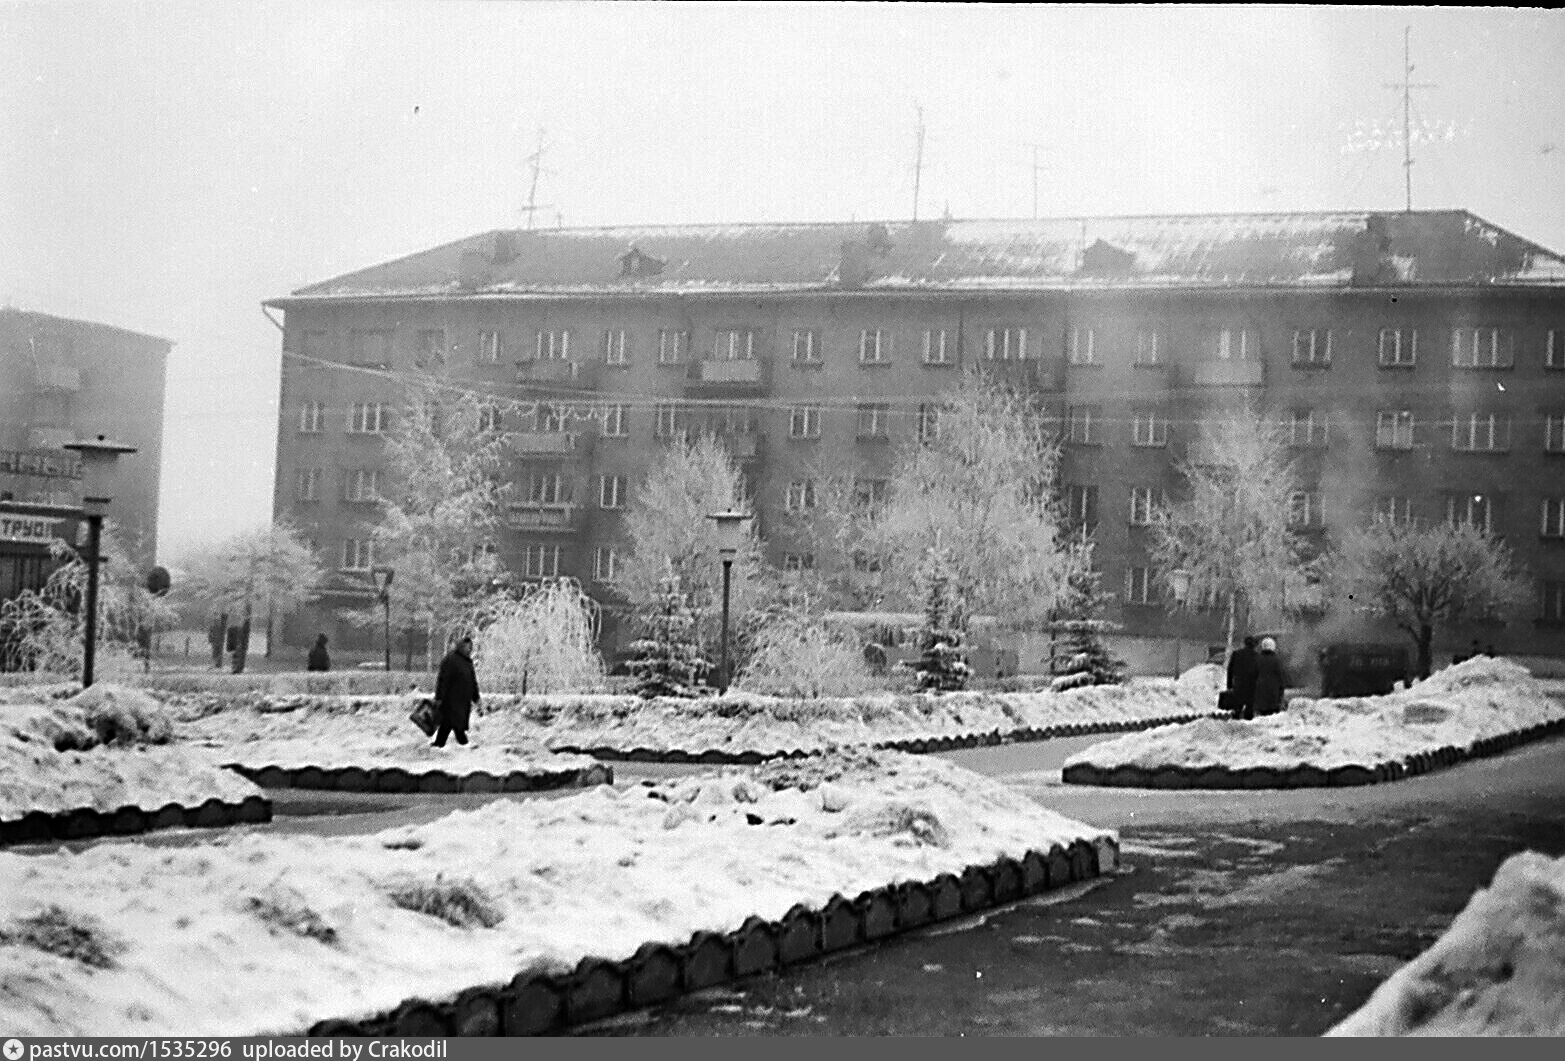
29	530
33	527
47	463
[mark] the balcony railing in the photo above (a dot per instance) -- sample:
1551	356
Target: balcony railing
1031	374
565	373
728	374
545	443
1225	374
741	445
541	516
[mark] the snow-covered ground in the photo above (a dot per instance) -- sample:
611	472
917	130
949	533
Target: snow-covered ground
1498	970
251	934
102	749
1455	707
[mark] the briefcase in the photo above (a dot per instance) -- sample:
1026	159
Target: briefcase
1228	700
426	716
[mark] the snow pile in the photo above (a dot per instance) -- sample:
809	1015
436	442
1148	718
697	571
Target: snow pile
1498	970
1455	707
258	934
92	751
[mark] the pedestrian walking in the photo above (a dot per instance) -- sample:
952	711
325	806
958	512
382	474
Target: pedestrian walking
216	630
456	693
319	658
1241	677
1270	679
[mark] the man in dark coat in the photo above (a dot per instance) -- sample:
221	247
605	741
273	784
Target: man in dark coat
1241	677
319	659
456	692
1270	679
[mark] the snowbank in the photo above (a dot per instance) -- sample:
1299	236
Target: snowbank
1456	707
255	934
1498	970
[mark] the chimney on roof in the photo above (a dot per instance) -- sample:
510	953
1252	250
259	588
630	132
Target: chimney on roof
1371	254
472	270
504	248
853	264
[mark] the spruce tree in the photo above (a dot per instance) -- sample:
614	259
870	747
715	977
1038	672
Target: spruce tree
666	661
1084	659
942	667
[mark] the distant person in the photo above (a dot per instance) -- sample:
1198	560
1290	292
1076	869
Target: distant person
1270	679
456	693
215	632
1241	677
1489	651
319	659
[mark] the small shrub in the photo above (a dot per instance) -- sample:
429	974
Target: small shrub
124	716
459	902
64	934
797	658
290	914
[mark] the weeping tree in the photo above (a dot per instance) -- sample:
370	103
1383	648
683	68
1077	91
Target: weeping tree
1422	576
268	572
543	641
1232	529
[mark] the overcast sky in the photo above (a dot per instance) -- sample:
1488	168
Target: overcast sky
166	166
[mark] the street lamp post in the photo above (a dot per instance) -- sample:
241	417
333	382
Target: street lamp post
383	577
98	457
1179	582
730	536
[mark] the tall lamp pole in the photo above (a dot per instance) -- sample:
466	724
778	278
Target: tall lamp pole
730	537
383	577
99	457
1179	582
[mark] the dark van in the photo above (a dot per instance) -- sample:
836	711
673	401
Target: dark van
1362	669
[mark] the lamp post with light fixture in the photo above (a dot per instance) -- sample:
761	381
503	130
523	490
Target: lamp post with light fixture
730	537
99	457
1179	582
383	577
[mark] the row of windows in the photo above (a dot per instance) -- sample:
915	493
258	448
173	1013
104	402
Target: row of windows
1469	347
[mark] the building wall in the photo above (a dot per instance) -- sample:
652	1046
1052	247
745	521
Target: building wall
1349	472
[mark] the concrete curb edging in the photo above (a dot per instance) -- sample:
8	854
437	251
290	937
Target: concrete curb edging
1304	776
86	823
397	779
915	745
539	1003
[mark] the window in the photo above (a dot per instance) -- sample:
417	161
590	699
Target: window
1312	348
616	421
553	344
928	423
1005	344
490	348
874	346
312	416
1138	585
1474	510
1551	601
939	347
1144	501
806	346
1553	517
358	554
548	488
1554	432
672	344
605	563
1148	427
370	348
1304	509
611	491
1481	348
429	349
874	421
733	419
1554	353
1231	344
804	421
1149	347
541	561
1394	429
1083	348
667	421
368	418
615	349
307	484
733	344
1394	508
1398	347
1083	424
490	418
1081	506
801	495
870	493
798	562
1481	433
361	484
549	419
1305	429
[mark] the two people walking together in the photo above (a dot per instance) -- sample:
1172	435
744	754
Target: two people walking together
1257	678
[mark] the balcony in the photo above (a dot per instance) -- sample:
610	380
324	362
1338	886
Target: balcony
741	445
1224	374
542	517
545	443
1027	375
727	376
53	376
556	372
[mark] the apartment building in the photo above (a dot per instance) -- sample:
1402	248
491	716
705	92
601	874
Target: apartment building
1418	359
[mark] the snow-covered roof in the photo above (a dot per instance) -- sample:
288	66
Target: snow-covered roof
1288	250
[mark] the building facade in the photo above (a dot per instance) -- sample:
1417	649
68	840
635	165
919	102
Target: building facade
1417	358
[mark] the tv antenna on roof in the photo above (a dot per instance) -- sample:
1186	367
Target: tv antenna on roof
536	161
918	161
1407	86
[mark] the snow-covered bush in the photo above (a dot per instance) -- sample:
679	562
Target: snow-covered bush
117	715
666	660
792	656
543	642
460	902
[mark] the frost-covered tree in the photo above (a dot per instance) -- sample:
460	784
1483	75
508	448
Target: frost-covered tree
1422	575
836	530
268	571
1232	529
667	659
942	663
544	641
794	654
1083	658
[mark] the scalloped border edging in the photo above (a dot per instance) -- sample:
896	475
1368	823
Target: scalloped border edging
397	779
86	823
1304	776
534	1003
915	745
